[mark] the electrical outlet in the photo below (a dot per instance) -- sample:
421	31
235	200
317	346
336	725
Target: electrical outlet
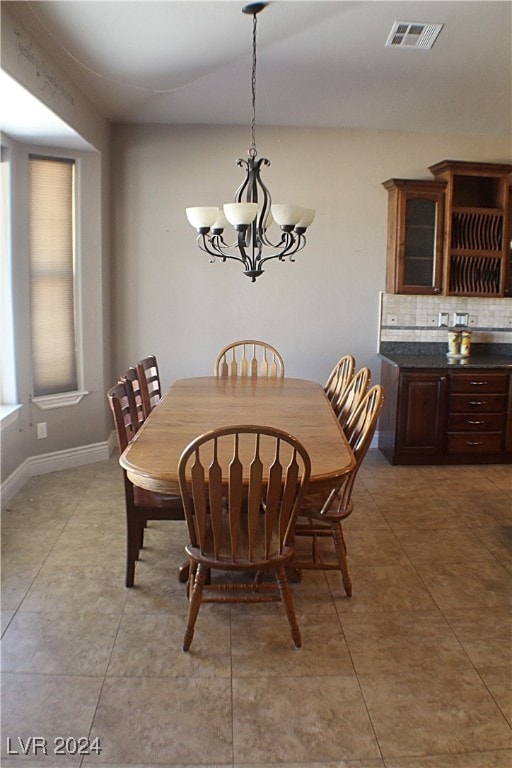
460	319
443	320
41	430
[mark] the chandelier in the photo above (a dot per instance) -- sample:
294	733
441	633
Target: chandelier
252	214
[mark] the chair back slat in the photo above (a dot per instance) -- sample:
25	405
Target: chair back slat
234	500
198	532
125	420
249	358
151	388
361	424
352	395
359	430
339	377
134	392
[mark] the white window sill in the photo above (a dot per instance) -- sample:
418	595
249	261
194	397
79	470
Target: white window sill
46	402
8	414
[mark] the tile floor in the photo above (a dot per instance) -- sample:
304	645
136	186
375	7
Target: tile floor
412	672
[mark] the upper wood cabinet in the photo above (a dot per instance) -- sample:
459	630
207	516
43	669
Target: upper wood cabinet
415	236
476	227
450	235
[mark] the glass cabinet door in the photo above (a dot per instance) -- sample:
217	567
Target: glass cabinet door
419	249
415	236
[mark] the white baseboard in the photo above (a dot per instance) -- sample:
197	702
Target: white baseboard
53	462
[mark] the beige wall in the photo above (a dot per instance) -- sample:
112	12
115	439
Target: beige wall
170	301
88	423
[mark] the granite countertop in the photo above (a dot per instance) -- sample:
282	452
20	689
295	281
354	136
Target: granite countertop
427	355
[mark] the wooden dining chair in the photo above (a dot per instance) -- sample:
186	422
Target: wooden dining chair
242	487
150	386
352	395
339	377
322	514
249	358
141	505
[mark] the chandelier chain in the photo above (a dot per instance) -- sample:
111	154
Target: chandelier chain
253	151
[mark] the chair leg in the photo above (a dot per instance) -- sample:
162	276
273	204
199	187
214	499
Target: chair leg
287	600
142	527
132	549
341	552
194	604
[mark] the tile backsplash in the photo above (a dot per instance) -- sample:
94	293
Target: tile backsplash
416	318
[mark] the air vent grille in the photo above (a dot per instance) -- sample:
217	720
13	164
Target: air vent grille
413	34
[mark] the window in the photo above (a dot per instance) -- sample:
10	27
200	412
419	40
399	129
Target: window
52	275
8	395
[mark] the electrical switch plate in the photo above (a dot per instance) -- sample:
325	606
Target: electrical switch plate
443	320
41	430
460	319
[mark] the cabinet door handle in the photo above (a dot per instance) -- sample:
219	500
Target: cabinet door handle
468	442
475	422
477	402
478	383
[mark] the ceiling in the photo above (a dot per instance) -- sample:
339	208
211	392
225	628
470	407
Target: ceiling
320	63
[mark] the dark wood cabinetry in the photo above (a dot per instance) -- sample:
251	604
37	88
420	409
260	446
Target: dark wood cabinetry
441	416
415	236
477	413
476	227
450	235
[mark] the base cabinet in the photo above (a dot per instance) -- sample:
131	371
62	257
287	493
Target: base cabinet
437	416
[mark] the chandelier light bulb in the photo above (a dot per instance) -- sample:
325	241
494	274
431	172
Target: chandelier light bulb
202	217
308	214
287	215
240	214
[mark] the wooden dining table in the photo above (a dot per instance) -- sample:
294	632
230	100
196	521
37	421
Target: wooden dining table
193	406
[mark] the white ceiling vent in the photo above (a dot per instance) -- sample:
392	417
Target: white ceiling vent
413	34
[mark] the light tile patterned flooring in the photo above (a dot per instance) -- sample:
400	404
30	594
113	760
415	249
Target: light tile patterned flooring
412	672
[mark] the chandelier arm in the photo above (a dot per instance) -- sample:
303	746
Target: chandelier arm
244	258
206	245
268	242
294	245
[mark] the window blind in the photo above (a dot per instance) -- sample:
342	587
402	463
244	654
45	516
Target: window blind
52	259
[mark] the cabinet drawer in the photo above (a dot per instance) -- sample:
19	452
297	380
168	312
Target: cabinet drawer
470	422
479	382
478	403
486	442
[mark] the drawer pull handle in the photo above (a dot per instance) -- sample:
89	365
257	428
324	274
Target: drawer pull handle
475	422
475	443
477	402
478	383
